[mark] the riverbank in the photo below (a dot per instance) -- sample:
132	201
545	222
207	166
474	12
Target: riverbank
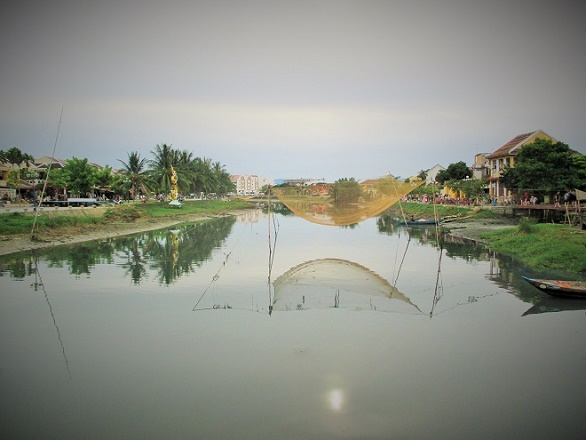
545	245
103	222
470	228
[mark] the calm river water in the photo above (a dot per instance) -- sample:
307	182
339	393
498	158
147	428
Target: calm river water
363	332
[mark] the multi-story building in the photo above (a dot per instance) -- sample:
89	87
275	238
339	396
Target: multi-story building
505	157
246	184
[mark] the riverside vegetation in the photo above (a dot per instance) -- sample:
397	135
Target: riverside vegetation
552	246
539	245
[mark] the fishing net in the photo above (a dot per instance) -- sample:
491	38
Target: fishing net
344	202
334	283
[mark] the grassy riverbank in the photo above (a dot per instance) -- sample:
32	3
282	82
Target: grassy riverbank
22	223
551	246
548	246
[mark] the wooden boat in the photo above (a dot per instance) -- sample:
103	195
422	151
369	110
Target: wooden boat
574	289
418	222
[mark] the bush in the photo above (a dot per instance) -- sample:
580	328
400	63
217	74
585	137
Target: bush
527	225
124	213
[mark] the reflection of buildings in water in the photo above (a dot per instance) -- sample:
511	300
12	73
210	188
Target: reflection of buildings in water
249	216
334	283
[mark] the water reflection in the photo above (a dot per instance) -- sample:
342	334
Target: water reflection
39	284
334	283
551	305
165	254
129	351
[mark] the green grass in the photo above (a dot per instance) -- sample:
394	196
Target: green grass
421	210
216	206
18	223
551	246
21	223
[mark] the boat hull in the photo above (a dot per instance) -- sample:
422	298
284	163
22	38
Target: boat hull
572	289
422	222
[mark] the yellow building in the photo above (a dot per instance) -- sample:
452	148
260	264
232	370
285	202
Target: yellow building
505	157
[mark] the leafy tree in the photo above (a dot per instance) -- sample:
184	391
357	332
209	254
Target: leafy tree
80	176
14	180
472	188
455	171
543	166
345	190
579	163
104	177
57	179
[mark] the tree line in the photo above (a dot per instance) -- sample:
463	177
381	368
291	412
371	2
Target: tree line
138	175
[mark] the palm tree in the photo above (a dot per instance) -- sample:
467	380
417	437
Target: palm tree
135	171
222	179
203	181
160	167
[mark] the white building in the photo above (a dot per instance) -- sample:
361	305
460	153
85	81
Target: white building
246	184
432	173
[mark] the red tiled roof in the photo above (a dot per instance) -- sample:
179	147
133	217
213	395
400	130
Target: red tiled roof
512	147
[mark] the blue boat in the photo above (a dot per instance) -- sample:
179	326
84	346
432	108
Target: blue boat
418	222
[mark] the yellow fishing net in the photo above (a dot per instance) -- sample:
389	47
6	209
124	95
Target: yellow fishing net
344	202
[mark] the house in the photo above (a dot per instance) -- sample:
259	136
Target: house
505	157
431	174
28	179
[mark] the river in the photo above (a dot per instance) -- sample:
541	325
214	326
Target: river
253	327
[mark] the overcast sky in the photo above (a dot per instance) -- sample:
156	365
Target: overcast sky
320	89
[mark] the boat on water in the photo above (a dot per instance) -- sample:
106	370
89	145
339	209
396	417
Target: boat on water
418	222
573	289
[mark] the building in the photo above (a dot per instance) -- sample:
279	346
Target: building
246	184
505	157
481	167
431	174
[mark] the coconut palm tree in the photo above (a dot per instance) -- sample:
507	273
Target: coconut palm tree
160	168
222	179
136	172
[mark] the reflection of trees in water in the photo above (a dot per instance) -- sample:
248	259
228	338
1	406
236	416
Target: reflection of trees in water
172	254
17	266
131	251
503	270
423	234
169	253
81	258
277	208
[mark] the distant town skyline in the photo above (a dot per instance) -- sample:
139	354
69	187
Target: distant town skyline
313	89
